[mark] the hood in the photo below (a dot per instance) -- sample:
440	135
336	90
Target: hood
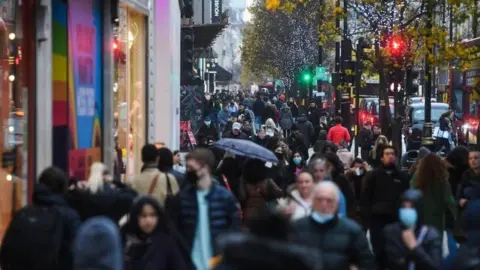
423	152
42	195
302	119
103	234
285	109
242	251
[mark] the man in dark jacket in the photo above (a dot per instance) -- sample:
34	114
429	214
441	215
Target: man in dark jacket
365	140
381	198
258	111
296	142
50	193
207	129
341	240
305	127
206	208
236	132
409	241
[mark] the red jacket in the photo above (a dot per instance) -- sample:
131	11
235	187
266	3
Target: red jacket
338	133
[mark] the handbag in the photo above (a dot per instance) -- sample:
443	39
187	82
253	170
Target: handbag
172	201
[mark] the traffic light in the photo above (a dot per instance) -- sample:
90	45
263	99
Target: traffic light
396	45
186	67
412	81
306	77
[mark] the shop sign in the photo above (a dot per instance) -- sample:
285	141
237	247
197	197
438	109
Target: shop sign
472	77
216	11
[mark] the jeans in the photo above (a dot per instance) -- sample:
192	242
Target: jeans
452	244
258	122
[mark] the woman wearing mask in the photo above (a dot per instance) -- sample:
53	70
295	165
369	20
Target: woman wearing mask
150	240
355	176
297	164
298	203
409	243
321	172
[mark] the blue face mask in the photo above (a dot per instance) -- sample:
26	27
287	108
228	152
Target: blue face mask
408	217
207	123
297	160
322	218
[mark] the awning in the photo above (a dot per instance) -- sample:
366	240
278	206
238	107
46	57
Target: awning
222	74
205	34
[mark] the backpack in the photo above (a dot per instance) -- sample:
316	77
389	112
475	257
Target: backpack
33	239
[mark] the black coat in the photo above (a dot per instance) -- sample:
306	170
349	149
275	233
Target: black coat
426	256
159	252
382	193
112	203
341	241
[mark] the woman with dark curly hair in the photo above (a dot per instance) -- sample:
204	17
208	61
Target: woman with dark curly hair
431	178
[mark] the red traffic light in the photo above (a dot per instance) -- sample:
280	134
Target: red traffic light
396	45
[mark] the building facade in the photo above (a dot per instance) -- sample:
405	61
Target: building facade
86	81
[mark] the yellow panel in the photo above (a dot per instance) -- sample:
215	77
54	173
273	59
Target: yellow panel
59	68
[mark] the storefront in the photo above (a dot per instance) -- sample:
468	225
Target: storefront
130	82
17	52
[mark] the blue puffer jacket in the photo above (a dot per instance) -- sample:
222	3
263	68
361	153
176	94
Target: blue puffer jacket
223	211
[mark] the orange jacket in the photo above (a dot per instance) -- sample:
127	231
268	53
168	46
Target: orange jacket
338	133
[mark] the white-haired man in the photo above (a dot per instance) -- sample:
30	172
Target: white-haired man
341	240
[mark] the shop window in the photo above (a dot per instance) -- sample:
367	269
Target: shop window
14	90
130	91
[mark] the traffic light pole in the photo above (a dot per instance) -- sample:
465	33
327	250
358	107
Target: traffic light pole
358	82
427	139
338	93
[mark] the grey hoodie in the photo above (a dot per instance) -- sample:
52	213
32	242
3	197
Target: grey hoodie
98	246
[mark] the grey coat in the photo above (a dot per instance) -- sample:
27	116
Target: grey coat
286	118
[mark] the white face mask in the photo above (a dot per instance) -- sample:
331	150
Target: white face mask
359	171
269	133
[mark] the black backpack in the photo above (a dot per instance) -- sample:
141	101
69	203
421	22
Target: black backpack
33	239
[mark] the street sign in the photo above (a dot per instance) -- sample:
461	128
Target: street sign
321	73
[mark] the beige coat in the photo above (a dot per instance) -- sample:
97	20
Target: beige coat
141	183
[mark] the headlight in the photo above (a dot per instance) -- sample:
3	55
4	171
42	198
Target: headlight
466	126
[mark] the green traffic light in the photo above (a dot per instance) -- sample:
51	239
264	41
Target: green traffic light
306	77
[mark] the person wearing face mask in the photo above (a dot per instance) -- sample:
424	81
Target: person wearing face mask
380	199
206	208
409	243
341	241
297	163
207	129
355	176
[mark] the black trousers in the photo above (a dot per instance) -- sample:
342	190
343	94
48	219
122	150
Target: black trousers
377	239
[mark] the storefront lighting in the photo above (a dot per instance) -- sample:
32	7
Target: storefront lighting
11	129
114	46
11	36
11	78
9	177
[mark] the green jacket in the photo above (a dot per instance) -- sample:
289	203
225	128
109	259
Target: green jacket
437	200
